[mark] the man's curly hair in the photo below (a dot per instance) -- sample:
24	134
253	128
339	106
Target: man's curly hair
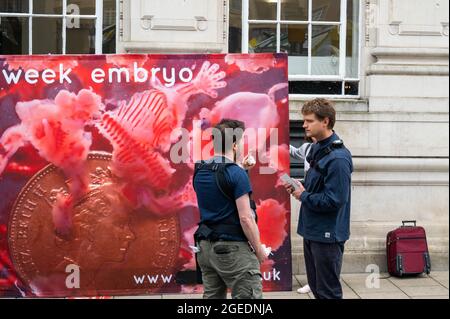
322	109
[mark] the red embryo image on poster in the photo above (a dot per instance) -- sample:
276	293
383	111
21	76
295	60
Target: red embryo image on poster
97	157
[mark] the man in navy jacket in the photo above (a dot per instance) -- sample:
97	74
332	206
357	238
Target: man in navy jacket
325	197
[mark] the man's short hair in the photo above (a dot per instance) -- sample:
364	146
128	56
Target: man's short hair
322	109
226	133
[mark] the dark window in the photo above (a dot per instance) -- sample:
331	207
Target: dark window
79	20
109	26
14	35
297	136
351	88
16	6
315	87
309	31
323	87
235	27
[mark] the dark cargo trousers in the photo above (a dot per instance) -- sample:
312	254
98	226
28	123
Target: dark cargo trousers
229	264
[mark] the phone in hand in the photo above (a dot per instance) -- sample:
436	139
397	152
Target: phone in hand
288	180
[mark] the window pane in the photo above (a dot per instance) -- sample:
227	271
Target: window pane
351	88
81	39
262	38
109	26
352	59
19	6
297	138
294	41
315	87
47	6
52	42
13	35
326	10
235	28
325	50
83	7
263	9
294	10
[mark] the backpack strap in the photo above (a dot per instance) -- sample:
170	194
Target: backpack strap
225	188
219	173
222	182
197	167
314	161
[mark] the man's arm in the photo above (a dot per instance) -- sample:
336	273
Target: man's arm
336	190
298	153
249	226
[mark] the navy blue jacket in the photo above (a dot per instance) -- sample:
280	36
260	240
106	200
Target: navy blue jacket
325	209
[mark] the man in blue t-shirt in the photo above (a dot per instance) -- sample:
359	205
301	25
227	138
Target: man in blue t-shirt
227	220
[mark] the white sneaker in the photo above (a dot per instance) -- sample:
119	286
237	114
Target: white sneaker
304	290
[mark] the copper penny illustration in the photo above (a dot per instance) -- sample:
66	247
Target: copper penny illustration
113	248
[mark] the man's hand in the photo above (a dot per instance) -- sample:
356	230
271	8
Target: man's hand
248	162
288	188
297	193
291	190
261	254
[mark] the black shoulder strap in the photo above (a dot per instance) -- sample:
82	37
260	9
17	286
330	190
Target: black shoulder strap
197	167
219	173
225	188
222	182
325	152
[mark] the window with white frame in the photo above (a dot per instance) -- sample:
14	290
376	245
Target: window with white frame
57	26
321	38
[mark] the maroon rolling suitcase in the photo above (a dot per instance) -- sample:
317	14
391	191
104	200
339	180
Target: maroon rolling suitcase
407	250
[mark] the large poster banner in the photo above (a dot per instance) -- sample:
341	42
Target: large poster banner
97	156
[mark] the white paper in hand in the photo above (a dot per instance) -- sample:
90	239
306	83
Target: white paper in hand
287	179
267	250
195	249
251	160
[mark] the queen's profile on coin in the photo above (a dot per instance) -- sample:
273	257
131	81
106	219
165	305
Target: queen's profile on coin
109	244
100	236
101	232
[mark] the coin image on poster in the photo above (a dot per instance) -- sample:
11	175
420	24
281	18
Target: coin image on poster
112	249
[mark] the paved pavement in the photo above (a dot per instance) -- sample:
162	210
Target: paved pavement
434	286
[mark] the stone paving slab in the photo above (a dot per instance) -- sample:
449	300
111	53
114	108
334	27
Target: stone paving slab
285	295
413	282
301	279
384	286
440	275
384	295
444	283
354	286
425	291
431	297
348	293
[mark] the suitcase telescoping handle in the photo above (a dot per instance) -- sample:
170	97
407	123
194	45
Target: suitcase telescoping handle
408	222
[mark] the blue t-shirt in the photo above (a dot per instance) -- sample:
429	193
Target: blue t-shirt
214	206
